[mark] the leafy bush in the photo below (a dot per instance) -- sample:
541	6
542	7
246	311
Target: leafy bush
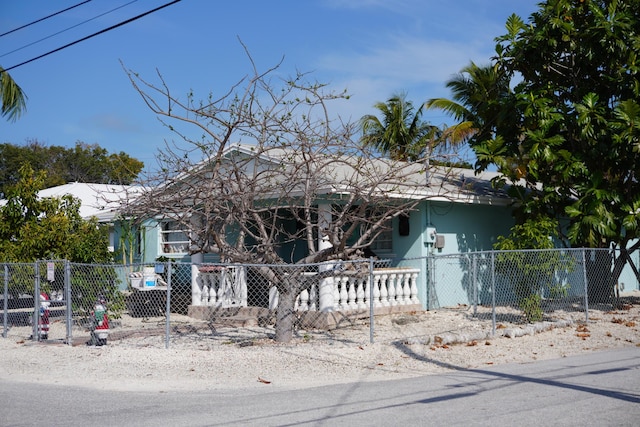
531	307
529	271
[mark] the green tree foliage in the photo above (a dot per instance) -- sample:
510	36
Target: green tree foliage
82	163
49	228
567	135
532	234
33	229
13	101
578	132
579	115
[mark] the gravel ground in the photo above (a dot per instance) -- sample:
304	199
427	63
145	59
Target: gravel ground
407	345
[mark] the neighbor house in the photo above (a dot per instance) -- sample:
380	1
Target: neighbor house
100	201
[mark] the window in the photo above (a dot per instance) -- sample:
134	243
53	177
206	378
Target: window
174	239
384	242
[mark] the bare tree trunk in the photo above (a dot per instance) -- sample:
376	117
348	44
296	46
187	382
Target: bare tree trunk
618	266
285	316
251	202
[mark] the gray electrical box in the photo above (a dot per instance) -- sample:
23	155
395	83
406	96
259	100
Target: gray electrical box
439	243
430	236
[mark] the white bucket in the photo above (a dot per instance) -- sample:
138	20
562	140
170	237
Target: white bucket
149	277
136	280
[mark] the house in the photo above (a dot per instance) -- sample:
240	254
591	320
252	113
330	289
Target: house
457	212
453	210
102	201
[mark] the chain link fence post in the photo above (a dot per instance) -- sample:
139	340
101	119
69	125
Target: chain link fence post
430	267
5	301
371	284
586	285
168	306
493	293
474	283
67	301
36	302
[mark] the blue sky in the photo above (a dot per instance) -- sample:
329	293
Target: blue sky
371	48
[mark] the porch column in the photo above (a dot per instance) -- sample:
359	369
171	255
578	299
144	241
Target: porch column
325	286
196	288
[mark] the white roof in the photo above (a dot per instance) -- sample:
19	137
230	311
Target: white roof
99	200
446	183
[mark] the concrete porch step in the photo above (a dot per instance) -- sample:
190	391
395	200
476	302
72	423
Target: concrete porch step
238	321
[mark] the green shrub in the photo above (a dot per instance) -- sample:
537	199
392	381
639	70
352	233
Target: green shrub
531	307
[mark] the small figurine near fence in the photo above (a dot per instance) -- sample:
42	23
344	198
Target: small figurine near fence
43	317
99	323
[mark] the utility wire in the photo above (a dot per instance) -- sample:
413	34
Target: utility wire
42	19
92	35
67	29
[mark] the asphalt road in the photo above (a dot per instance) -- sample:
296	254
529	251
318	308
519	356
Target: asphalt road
599	389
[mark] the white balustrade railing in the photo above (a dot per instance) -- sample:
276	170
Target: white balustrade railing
218	286
391	287
226	286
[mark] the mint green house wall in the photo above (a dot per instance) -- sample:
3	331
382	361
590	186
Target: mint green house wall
468	227
465	228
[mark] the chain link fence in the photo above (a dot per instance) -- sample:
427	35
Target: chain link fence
525	286
91	304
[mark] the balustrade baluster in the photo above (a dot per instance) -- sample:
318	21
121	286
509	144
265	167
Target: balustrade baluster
211	297
303	300
274	297
336	294
384	291
360	295
414	289
376	291
222	285
313	296
401	296
391	289
204	297
351	294
344	295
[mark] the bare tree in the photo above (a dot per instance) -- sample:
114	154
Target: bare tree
269	155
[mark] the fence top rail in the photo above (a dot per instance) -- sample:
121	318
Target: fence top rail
337	263
377	262
493	252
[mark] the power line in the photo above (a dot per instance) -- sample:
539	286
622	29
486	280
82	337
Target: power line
42	19
67	29
92	35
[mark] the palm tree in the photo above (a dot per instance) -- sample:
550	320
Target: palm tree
400	133
14	101
477	101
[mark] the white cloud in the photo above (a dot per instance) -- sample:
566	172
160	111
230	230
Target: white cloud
419	67
408	59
